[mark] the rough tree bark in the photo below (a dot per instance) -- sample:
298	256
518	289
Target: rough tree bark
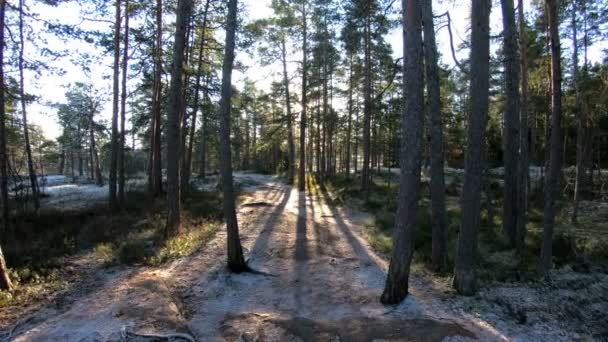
236	261
176	107
511	121
94	154
464	271
324	91
350	114
123	109
552	180
396	288
302	170
367	106
183	169
203	146
197	104
5	281
26	133
437	187
290	143
318	128
62	160
524	159
580	121
156	162
116	91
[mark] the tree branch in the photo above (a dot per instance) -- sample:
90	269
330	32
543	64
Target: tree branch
449	27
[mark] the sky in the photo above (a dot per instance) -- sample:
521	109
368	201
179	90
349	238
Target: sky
51	88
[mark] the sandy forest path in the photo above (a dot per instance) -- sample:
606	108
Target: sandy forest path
323	285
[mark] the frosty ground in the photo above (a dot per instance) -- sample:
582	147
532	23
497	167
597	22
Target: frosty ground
320	281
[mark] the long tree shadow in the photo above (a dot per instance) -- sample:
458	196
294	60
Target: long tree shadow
301	250
272	219
324	237
361	251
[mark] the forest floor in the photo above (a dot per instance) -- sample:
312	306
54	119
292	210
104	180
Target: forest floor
319	280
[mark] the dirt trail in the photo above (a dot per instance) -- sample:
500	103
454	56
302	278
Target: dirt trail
324	285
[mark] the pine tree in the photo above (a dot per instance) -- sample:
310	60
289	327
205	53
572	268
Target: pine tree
123	106
302	167
396	288
115	103
26	133
176	108
437	186
155	180
553	173
464	271
511	119
5	281
236	261
524	163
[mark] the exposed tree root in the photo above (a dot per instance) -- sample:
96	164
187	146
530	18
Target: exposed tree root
127	336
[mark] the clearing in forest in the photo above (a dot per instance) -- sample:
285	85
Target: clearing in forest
318	281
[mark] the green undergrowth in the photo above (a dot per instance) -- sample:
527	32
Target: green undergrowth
496	261
44	246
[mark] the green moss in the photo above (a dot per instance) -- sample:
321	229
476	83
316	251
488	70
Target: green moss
183	245
104	252
380	240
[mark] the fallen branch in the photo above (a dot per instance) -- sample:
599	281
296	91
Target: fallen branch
131	336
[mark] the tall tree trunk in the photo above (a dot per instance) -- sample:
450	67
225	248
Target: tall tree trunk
157	177
524	159
91	159
290	142
245	164
116	93
61	166
94	155
511	120
552	181
302	170
203	146
123	109
236	262
254	133
580	121
26	133
183	178
437	187
80	161
72	161
356	147
150	164
176	108
318	130
466	256
367	106
350	115
197	104
310	162
5	281
396	288
325	120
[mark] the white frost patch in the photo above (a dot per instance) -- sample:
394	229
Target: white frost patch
70	196
53	180
247	182
74	196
